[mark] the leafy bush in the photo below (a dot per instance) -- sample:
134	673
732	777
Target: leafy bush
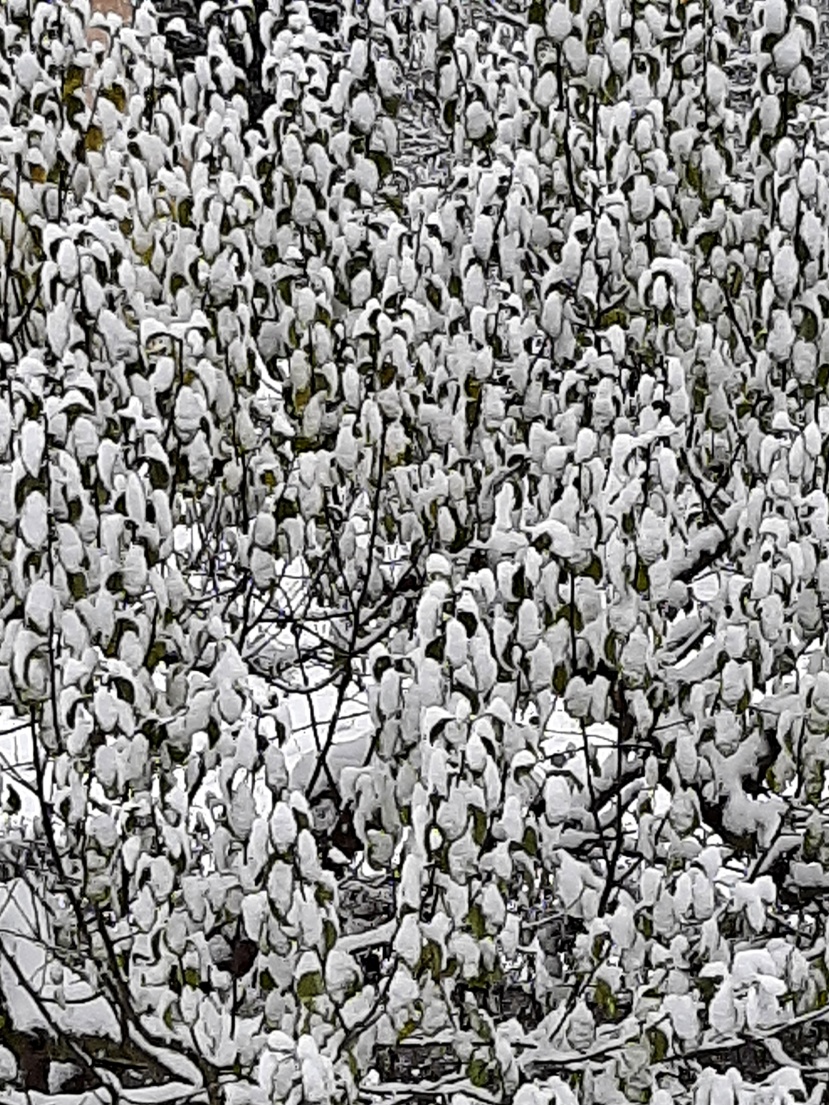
441	376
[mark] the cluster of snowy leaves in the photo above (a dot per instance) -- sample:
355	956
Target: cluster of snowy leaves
279	415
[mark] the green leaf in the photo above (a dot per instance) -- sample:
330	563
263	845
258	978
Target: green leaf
433	294
814	782
177	282
593	569
475	920
383	163
310	986
184	212
117	96
706	242
157	652
808	329
94	139
329	933
125	689
658	1043
286	508
478	1072
430	959
478	826
73	81
323	895
114	583
560	679
614	316
642	581
606	999
159	475
77	585
571	615
394	202
213	732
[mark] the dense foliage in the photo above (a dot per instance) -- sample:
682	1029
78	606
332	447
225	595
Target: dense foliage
461	363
